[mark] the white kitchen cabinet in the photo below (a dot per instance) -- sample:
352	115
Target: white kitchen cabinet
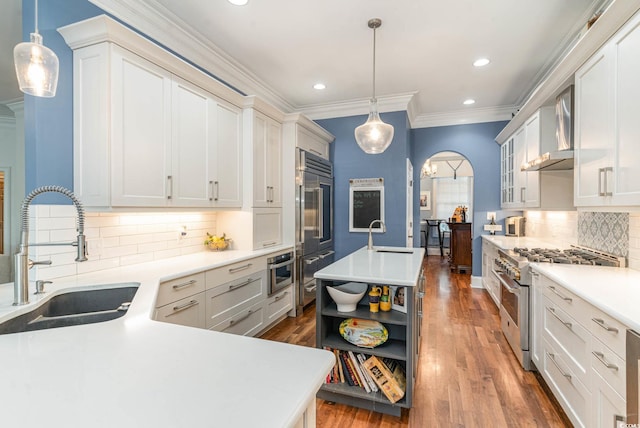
182	301
277	305
507	177
267	153
607	129
536	321
230	300
607	406
489	280
145	137
267	227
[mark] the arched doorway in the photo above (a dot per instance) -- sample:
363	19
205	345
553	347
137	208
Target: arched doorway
446	194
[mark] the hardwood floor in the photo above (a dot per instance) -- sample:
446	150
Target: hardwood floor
467	375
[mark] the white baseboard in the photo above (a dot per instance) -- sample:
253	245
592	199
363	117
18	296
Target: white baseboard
476	282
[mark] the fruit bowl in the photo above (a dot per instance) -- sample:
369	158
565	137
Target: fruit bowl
217	243
347	295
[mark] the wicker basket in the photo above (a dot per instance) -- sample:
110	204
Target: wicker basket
219	245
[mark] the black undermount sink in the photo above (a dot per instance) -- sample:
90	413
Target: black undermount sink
75	308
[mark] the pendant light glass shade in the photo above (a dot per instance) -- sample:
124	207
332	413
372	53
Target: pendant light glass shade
36	66
374	136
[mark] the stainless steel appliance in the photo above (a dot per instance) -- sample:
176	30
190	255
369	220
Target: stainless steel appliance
633	361
314	222
514	225
512	270
280	272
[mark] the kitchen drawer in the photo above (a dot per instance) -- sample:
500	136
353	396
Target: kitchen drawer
180	288
567	301
279	304
608	408
610	331
247	322
189	312
569	336
572	395
610	366
227	299
234	271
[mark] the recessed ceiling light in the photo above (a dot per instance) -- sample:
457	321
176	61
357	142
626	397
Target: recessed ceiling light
239	2
319	86
481	62
469	102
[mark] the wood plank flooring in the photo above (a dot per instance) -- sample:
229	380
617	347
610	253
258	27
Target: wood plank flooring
467	375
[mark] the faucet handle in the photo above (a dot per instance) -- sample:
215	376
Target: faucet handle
40	286
31	263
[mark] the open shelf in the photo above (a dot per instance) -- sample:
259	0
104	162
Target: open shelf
392	348
362	311
358	392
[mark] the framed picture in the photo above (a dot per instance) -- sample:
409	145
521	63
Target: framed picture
398	298
425	200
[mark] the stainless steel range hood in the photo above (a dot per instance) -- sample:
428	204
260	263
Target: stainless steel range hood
551	161
562	158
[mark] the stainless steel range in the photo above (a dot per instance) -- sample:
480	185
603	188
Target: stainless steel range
513	271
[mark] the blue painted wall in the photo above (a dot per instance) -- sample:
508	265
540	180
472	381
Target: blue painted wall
49	121
475	142
351	162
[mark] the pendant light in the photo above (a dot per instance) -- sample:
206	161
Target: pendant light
36	65
374	136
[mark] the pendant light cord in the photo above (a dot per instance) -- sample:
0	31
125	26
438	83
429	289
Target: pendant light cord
36	16
374	62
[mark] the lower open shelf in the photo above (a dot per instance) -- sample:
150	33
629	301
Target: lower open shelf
392	348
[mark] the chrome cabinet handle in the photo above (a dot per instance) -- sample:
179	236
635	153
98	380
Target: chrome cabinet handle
602	324
187	305
600	171
239	268
232	322
553	312
211	190
523	191
169	186
242	284
216	185
280	297
552	357
565	298
606	181
600	357
184	284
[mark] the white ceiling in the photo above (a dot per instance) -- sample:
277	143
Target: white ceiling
10	35
424	47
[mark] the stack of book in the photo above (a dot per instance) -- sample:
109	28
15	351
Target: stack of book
368	373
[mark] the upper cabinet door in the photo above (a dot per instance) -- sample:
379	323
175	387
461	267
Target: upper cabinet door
193	139
626	167
227	162
274	164
593	129
141	132
267	149
532	144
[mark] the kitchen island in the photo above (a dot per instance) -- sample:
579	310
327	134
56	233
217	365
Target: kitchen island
392	266
137	372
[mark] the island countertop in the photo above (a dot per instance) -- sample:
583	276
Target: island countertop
136	372
371	266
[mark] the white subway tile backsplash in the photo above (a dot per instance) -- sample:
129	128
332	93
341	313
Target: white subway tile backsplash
114	239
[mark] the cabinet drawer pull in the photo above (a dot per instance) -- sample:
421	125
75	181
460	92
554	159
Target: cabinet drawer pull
600	357
602	324
563	297
606	181
242	284
280	297
269	244
185	306
232	322
184	284
552	357
216	185
553	312
239	268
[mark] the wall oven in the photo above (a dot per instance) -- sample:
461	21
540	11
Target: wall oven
280	272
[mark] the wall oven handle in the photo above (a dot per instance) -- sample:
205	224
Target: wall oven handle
566	323
279	265
602	324
563	297
552	357
600	357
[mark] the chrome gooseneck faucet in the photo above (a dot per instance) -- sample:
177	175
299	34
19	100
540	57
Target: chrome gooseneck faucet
384	229
21	258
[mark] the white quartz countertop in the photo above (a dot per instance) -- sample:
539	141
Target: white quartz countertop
376	267
616	291
510	242
136	372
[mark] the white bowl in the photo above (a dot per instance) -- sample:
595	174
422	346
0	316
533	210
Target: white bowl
347	295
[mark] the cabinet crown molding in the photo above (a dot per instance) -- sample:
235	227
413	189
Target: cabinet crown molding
303	121
102	28
256	103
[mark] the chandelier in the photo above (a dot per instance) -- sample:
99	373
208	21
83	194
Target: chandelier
428	169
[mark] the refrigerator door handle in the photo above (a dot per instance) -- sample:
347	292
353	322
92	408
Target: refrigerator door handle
320	214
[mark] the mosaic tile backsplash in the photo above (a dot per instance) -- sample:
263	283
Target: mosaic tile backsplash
608	232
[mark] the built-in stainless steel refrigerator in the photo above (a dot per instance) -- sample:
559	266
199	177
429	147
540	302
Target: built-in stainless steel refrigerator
314	223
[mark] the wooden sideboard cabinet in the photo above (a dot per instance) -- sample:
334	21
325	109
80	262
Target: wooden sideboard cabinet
460	246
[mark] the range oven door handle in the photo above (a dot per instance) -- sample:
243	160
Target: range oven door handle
501	276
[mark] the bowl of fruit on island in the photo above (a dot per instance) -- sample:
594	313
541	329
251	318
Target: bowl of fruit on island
217	243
